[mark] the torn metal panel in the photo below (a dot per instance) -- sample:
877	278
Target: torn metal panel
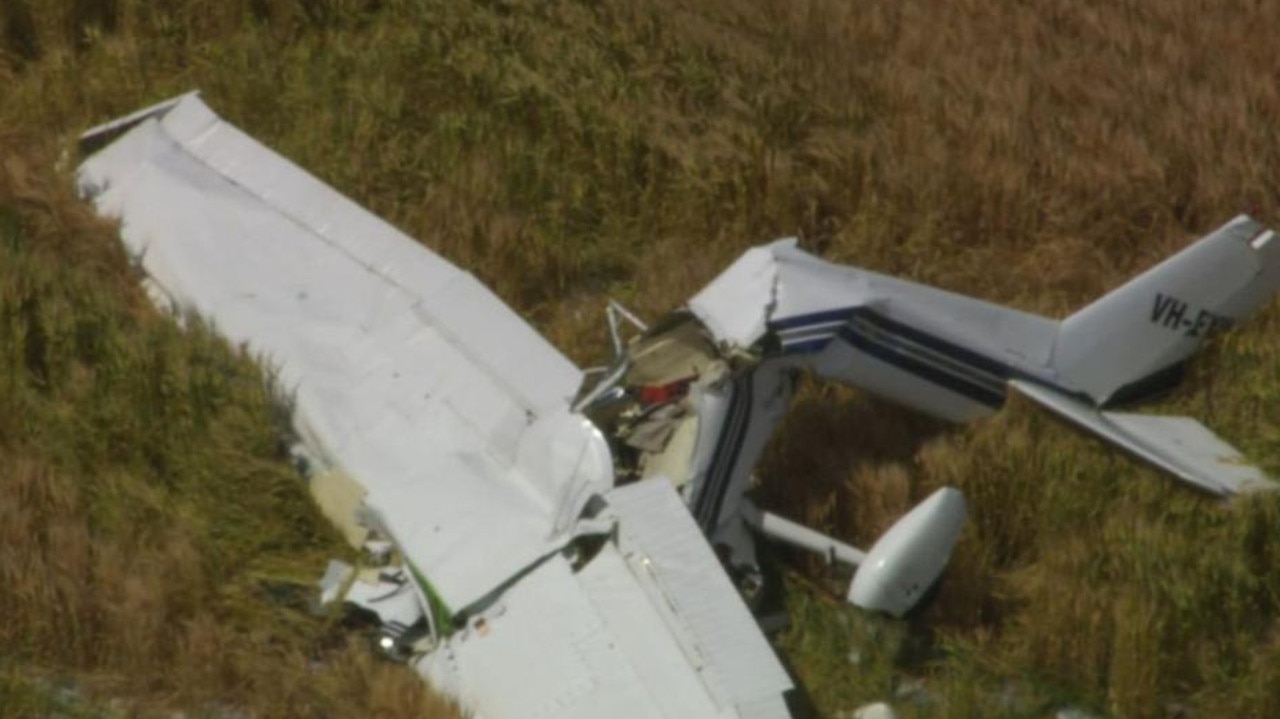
391	597
683	350
737	305
652	433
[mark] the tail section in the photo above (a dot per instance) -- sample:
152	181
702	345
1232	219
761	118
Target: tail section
1133	341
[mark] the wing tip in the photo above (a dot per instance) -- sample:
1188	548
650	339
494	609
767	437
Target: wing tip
98	137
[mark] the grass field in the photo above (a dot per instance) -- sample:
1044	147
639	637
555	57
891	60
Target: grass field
566	151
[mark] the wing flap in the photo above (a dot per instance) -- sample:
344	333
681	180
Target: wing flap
544	652
1180	446
592	643
740	664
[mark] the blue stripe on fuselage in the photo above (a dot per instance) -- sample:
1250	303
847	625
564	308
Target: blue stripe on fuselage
815	318
724	458
991	396
958	369
968	372
960	354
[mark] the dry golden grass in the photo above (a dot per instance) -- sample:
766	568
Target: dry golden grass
1035	154
155	549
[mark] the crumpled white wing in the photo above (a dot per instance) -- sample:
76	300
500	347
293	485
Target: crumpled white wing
409	375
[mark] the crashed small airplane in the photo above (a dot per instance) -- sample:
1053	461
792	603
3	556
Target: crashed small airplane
540	539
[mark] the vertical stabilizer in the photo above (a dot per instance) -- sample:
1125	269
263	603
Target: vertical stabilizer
1132	342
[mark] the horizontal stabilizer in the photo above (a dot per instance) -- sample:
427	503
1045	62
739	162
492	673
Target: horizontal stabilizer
1178	445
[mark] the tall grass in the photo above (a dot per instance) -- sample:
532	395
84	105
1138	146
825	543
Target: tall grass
1033	154
154	546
